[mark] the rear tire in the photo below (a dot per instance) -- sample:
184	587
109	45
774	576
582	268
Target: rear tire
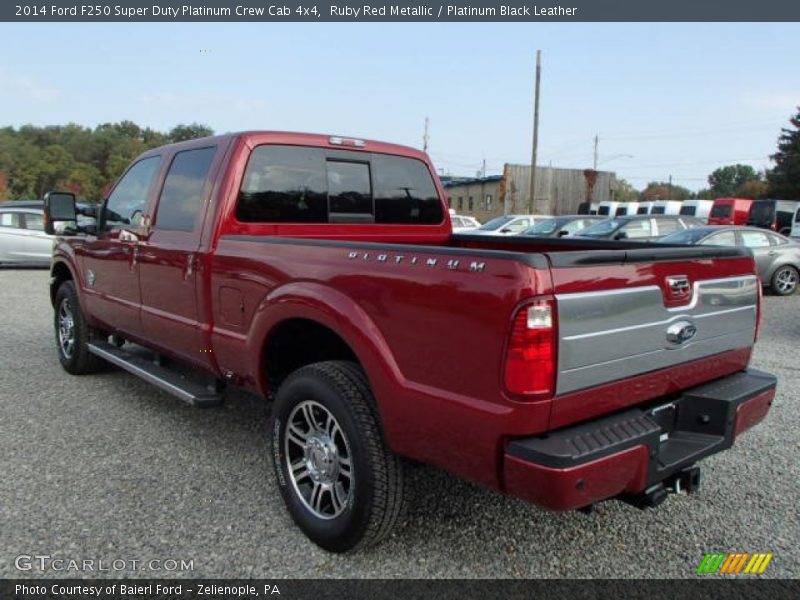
341	483
73	333
784	281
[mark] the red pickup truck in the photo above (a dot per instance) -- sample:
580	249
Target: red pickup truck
321	273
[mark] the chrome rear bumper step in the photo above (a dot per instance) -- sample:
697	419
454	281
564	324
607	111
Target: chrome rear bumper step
170	381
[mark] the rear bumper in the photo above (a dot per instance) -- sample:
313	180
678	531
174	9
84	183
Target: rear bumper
637	449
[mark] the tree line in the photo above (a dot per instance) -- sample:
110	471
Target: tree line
85	161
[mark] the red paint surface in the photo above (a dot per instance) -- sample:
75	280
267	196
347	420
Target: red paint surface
753	411
575	487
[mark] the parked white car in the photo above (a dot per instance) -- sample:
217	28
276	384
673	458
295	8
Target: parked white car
626	208
464	223
700	209
666	207
22	237
508	224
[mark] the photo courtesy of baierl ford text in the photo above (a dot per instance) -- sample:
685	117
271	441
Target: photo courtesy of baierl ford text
405	300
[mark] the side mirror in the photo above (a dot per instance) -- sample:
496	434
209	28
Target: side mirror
563	232
505	230
621	236
59	206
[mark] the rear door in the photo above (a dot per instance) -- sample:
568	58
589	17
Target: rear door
168	257
758	243
38	245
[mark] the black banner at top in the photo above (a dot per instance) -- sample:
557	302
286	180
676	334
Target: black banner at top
397	10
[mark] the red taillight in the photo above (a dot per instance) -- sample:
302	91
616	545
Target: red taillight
531	352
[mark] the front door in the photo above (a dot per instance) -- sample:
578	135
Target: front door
110	262
168	259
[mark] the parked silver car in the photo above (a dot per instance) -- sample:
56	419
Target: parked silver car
22	237
777	257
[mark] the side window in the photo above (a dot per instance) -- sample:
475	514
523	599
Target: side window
574	226
128	201
667	226
349	192
34	221
723	238
182	196
283	184
754	239
518	225
777	240
10	219
639	228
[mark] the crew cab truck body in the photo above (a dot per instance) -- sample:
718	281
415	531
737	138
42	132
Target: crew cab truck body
321	273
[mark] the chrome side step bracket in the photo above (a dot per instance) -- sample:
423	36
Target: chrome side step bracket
172	382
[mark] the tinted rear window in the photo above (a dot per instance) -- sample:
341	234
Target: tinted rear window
658	210
721	211
603	210
688	210
762	212
291	184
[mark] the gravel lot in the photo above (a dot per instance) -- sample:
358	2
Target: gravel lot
108	467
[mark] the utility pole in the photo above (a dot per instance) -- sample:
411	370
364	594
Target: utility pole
483	169
596	141
669	194
425	136
535	130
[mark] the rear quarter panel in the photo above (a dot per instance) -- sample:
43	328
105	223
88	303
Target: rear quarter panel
431	338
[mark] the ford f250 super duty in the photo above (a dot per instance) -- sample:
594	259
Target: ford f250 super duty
321	273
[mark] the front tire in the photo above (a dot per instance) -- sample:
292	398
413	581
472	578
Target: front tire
73	333
784	281
341	483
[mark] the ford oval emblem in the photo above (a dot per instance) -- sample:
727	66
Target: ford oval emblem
681	332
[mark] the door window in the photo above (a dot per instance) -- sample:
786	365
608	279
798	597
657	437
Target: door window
34	221
126	204
9	219
182	196
639	228
723	238
667	226
754	239
518	225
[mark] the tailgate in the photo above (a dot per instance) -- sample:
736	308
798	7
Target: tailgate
629	312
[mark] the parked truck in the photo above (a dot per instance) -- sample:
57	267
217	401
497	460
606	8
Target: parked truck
321	274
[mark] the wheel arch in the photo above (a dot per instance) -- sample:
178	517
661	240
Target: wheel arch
318	312
59	273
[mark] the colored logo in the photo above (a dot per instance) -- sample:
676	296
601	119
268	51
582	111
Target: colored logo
734	563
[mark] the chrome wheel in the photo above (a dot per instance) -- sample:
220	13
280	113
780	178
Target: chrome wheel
66	329
318	460
786	280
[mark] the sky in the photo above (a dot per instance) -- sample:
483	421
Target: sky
664	99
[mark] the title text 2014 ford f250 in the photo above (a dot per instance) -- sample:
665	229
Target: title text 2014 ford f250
321	273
